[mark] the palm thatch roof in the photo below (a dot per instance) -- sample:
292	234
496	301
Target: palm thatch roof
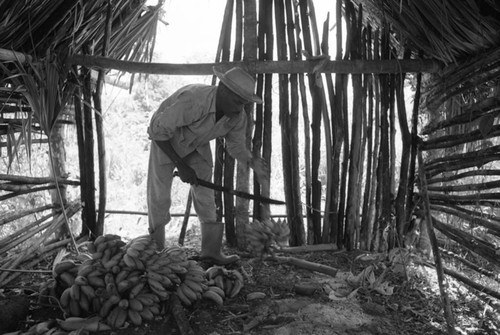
446	30
42	33
36	26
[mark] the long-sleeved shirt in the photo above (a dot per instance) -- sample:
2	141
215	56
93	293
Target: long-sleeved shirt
187	119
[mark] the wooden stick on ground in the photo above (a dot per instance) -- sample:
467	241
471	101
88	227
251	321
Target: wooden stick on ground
310	248
18	215
303	264
180	316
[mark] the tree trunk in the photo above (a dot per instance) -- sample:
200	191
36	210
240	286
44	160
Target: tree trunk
58	170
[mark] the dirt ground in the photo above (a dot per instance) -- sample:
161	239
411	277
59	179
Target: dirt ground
299	301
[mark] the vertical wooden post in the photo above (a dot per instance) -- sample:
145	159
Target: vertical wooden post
337	231
101	148
368	199
316	133
448	314
88	199
353	196
243	170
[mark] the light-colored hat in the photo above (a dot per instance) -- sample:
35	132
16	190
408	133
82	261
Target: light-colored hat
240	82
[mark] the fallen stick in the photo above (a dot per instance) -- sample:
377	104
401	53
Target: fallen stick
303	264
15	216
180	316
310	248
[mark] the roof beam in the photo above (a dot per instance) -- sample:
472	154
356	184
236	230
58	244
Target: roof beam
318	64
321	65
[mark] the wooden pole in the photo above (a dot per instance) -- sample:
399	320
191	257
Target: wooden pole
101	147
89	224
448	314
355	165
315	130
292	136
366	223
278	67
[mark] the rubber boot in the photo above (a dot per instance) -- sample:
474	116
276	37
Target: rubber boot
158	235
211	244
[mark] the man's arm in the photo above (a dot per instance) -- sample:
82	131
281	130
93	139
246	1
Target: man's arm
186	173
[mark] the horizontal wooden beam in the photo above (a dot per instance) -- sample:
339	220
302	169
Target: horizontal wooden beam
279	67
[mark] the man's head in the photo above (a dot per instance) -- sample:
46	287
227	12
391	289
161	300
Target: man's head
240	82
236	88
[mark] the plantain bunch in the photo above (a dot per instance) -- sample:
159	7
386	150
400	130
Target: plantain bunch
222	283
110	284
262	236
126	282
192	285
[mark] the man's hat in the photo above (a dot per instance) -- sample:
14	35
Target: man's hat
240	82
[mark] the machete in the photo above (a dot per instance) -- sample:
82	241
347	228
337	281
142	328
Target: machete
240	194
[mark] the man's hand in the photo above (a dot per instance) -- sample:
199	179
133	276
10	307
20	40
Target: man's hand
187	174
261	170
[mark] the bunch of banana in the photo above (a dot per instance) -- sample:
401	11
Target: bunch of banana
64	272
262	235
138	251
222	283
167	266
123	282
103	243
193	284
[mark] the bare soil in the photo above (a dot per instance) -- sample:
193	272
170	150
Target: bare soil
300	302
